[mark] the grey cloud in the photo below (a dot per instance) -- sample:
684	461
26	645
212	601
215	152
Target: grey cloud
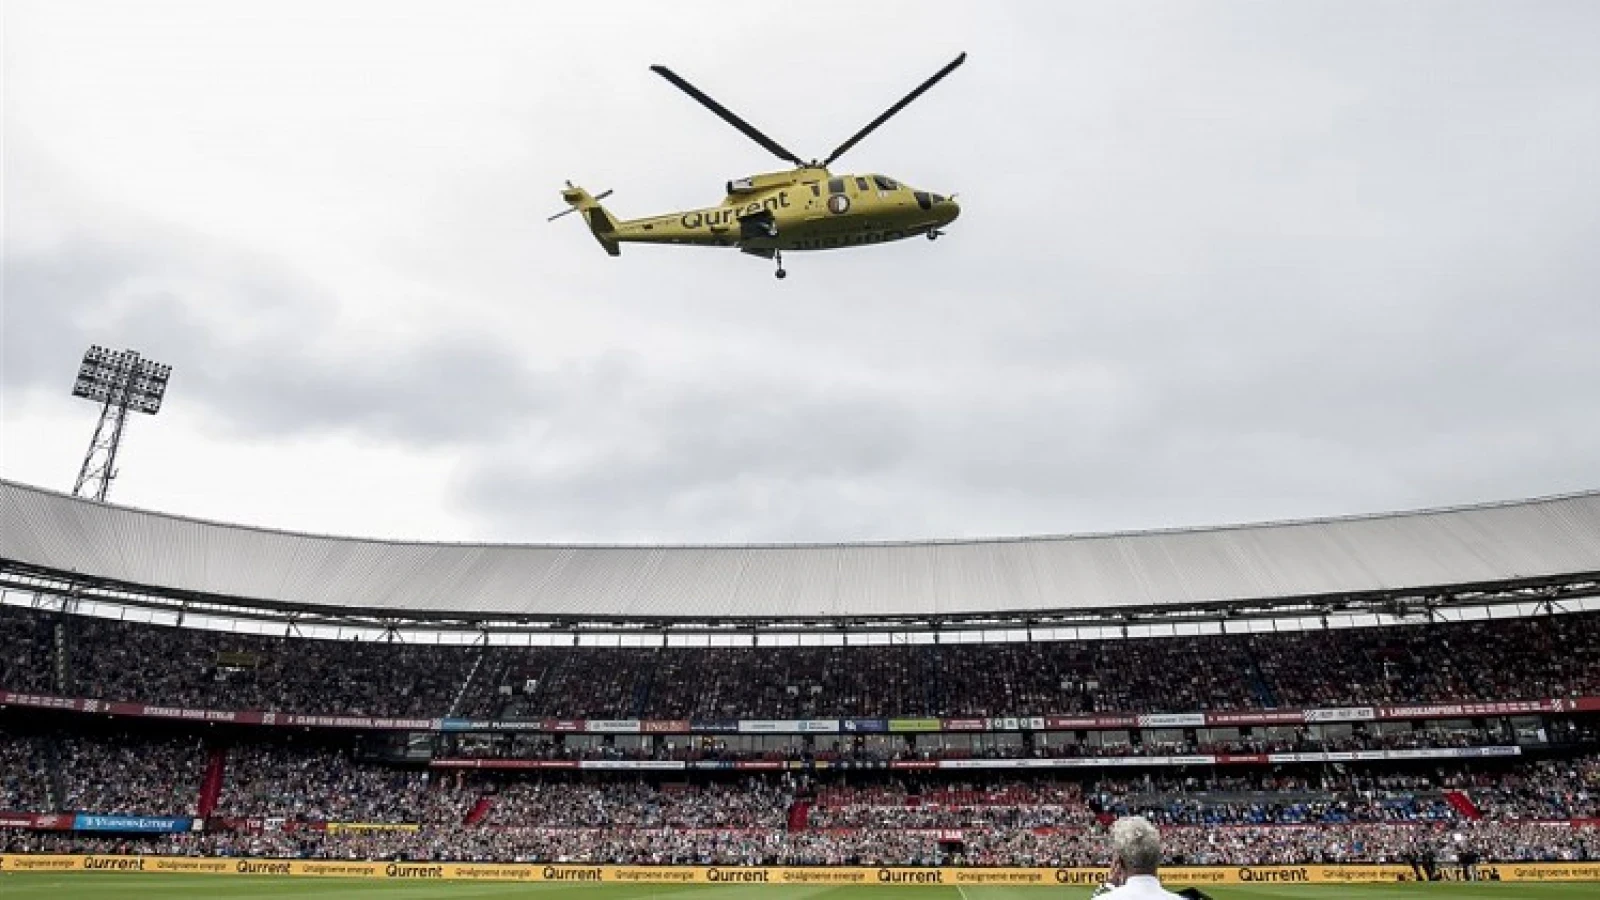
283	379
1251	263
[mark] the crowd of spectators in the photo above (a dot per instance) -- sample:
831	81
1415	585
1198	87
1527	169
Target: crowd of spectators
145	775
27	651
539	803
121	774
1356	843
328	785
1548	789
215	670
1006	805
1550	656
24	773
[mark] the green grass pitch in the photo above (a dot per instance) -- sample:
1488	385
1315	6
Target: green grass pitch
52	886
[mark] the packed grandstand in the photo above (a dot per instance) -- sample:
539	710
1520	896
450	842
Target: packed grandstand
1406	689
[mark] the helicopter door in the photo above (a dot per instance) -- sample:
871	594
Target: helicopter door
841	196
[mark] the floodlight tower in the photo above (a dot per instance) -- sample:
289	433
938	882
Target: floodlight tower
119	380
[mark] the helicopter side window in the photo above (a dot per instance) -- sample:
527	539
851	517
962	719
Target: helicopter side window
884	184
836	185
861	184
815	191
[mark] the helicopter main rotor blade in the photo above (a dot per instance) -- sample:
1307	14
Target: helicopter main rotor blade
727	115
904	102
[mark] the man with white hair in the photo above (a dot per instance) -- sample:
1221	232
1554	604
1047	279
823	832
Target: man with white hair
1135	856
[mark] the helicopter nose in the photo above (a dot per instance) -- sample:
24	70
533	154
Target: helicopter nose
946	208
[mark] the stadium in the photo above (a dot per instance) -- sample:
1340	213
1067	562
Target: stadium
1178	480
1358	701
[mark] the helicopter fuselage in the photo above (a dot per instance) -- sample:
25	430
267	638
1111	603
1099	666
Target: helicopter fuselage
806	209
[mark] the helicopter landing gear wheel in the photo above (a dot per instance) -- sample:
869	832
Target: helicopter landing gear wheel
934	234
781	273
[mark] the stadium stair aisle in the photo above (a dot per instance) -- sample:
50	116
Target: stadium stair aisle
799	815
1463	804
1259	685
55	783
467	683
211	784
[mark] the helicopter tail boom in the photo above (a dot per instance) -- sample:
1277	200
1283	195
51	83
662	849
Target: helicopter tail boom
601	223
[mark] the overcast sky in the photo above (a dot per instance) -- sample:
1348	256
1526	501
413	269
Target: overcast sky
1217	262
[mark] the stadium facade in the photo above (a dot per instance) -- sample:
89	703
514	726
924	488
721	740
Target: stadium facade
1530	553
910	704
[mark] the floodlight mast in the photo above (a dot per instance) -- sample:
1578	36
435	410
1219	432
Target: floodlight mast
119	380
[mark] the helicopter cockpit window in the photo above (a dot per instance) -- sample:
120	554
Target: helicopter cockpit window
884	184
836	185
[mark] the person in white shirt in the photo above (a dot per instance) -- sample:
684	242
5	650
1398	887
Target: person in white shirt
1135	856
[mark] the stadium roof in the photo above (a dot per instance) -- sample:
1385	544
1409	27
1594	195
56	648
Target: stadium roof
49	538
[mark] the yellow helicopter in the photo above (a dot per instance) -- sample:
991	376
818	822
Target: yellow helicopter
806	208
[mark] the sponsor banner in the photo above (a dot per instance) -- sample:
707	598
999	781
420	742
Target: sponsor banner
317	869
503	764
365	723
466	725
964	724
913	724
613	726
235	823
1489	751
1382	755
654	765
371	826
769	726
1074	762
721	726
866	726
192	866
1457	710
1005	763
1255	717
1174	876
1341	714
789	726
664	726
181	713
1089	723
1573	871
1173	720
36	821
714	726
516	725
999	877
146	824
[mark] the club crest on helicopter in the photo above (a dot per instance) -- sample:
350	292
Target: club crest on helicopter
805	208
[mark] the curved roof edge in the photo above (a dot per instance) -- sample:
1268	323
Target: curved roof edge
1518	542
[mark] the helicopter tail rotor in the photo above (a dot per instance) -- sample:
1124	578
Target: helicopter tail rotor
601	223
